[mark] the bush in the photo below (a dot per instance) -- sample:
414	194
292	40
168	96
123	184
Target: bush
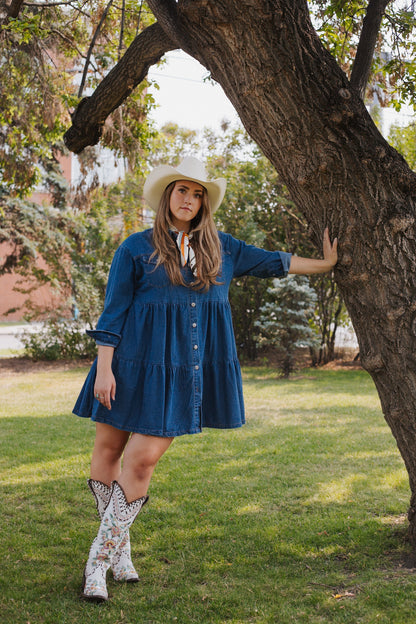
59	340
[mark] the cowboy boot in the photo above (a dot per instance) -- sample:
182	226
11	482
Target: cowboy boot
117	518
121	564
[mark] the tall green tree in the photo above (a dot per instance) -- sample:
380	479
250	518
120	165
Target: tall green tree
52	56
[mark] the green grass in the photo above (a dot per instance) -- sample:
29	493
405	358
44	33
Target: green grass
298	517
8	353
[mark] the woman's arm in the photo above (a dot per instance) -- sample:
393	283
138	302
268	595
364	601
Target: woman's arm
307	266
105	383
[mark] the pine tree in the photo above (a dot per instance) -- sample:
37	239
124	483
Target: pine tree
284	322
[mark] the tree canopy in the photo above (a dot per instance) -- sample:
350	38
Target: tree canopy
54	53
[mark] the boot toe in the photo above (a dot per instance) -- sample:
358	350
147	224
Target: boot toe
126	576
94	591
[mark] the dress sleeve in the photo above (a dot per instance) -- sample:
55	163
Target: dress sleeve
118	298
251	260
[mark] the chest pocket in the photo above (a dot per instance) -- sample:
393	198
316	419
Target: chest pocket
153	276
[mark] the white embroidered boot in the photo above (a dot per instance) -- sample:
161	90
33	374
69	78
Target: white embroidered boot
117	518
121	563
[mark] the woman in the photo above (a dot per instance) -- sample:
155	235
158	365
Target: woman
167	362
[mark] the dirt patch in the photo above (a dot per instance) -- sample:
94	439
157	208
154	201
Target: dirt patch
339	364
21	366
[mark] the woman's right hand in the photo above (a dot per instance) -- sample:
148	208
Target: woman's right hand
105	382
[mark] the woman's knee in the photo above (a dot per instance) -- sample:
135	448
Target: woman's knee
110	442
142	454
143	465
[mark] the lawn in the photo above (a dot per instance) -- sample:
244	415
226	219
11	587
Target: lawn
300	516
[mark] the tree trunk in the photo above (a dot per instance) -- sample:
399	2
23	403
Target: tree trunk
299	107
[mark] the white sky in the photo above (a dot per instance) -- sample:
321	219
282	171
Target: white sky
184	98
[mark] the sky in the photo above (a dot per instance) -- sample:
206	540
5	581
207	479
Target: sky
184	98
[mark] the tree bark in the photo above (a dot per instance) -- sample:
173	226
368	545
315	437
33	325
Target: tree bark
299	107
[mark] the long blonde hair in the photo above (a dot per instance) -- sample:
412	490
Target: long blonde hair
205	243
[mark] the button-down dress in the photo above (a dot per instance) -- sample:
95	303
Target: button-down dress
175	359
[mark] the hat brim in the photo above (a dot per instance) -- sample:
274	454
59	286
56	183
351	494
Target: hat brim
162	176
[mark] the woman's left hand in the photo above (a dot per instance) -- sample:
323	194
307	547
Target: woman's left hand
308	266
330	250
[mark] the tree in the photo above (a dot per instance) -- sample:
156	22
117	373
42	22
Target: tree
284	321
44	46
403	138
329	315
307	114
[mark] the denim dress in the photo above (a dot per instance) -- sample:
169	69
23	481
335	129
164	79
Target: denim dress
175	359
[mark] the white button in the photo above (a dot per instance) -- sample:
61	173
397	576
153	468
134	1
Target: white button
195	347
193	324
193	304
197	367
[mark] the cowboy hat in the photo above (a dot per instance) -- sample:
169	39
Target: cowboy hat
190	169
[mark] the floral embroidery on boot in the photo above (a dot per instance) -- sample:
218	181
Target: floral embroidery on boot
117	518
121	563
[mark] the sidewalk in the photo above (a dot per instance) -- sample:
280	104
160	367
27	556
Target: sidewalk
9	334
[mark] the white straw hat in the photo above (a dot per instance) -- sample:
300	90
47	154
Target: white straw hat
190	169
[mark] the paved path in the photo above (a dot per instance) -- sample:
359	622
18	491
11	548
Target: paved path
9	335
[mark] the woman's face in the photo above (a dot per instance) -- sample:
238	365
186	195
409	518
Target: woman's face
185	203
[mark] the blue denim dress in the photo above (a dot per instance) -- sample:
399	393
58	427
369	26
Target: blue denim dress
175	360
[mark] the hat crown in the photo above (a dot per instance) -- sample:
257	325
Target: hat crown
191	167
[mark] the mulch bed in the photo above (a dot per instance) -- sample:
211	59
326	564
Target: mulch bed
19	366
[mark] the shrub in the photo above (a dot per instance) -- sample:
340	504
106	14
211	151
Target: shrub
59	340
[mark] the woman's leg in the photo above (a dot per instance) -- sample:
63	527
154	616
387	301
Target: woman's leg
105	468
141	455
128	496
106	456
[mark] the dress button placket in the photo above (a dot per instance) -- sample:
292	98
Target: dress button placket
196	364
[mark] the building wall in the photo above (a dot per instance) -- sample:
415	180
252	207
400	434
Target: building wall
41	297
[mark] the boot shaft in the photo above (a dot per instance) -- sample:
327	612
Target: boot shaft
101	492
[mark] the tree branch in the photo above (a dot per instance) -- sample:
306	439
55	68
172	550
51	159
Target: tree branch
362	64
88	119
14	8
10	10
92	44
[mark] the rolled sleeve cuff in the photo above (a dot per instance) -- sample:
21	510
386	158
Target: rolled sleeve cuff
104	338
285	259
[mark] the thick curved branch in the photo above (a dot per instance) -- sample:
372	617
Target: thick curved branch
88	119
14	8
366	46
